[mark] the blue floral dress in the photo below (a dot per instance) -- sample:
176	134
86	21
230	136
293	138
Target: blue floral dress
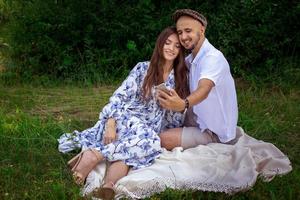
138	124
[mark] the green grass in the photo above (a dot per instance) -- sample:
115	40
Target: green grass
32	118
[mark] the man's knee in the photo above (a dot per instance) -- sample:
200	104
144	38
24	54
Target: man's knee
165	139
171	138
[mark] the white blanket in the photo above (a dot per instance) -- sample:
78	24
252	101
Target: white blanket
214	167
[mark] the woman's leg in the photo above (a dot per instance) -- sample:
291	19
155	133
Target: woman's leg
84	163
115	172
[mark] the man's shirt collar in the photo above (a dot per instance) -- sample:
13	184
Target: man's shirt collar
191	60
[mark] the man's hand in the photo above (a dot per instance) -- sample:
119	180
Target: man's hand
110	133
170	100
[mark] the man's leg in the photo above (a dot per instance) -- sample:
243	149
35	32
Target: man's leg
171	138
186	137
192	137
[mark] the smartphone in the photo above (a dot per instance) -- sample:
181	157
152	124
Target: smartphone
162	87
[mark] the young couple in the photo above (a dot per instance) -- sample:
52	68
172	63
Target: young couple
139	119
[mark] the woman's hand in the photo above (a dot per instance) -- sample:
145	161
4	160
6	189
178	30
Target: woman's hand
110	133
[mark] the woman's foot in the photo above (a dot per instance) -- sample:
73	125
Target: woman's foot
108	185
105	192
83	163
115	171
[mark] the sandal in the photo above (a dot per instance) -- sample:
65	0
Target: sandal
105	193
79	176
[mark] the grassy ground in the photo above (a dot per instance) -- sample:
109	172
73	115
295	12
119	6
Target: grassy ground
32	118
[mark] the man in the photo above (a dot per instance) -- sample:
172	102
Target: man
212	105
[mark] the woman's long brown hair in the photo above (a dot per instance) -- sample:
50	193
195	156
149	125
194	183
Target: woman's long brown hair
155	72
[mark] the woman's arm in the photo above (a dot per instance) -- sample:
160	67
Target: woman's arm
110	133
124	94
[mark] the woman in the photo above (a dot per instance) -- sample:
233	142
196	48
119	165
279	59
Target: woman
126	134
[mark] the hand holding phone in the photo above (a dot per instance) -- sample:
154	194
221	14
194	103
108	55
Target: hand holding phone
162	87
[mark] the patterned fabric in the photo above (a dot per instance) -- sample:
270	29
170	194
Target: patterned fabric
138	124
215	167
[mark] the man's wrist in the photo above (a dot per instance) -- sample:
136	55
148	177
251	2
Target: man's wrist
183	105
186	103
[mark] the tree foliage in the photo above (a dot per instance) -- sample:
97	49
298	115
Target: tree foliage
99	40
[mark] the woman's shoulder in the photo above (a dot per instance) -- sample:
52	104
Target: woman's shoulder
142	66
144	63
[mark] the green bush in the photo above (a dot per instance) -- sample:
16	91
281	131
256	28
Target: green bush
99	41
258	34
4	11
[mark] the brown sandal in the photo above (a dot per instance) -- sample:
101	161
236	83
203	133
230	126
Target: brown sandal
105	193
80	176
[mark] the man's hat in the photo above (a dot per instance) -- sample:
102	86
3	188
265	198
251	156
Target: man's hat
191	13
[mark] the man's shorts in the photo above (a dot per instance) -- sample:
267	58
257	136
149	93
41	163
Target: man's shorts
192	136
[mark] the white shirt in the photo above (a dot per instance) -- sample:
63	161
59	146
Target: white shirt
218	112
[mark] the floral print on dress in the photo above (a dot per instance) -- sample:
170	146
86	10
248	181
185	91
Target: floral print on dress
138	123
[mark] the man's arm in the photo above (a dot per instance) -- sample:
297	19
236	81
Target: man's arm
175	103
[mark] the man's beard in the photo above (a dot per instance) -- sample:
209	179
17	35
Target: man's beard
194	45
188	51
